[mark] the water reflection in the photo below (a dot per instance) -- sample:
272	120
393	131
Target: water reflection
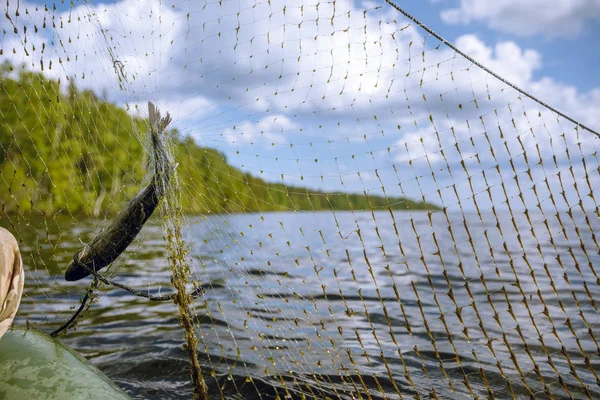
338	304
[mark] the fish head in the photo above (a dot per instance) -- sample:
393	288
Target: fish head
75	270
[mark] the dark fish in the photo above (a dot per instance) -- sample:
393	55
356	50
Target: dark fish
108	245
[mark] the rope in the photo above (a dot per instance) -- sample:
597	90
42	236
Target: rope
84	300
127	288
518	89
198	291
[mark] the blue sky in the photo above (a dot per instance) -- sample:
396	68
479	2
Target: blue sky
353	97
571	58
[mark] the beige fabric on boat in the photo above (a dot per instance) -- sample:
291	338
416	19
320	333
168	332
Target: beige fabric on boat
12	279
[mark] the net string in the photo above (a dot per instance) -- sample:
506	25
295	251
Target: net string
452	330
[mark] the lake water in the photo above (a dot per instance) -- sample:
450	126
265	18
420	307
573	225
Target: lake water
345	305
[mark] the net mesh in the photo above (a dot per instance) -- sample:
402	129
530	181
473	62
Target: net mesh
370	214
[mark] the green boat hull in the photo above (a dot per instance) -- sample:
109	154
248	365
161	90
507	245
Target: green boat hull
34	365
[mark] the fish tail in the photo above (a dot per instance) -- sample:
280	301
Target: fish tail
157	124
159	152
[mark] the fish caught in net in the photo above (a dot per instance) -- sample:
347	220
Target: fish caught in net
338	203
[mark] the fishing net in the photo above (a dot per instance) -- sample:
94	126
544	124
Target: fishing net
357	210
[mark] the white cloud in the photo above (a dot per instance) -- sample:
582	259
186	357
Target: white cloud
506	59
103	47
315	60
180	109
547	17
264	131
272	56
417	148
501	128
584	107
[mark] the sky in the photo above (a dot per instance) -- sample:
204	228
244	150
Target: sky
564	33
350	96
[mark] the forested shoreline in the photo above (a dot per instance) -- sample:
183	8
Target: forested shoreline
76	153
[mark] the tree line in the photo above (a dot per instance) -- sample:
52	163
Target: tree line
76	153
